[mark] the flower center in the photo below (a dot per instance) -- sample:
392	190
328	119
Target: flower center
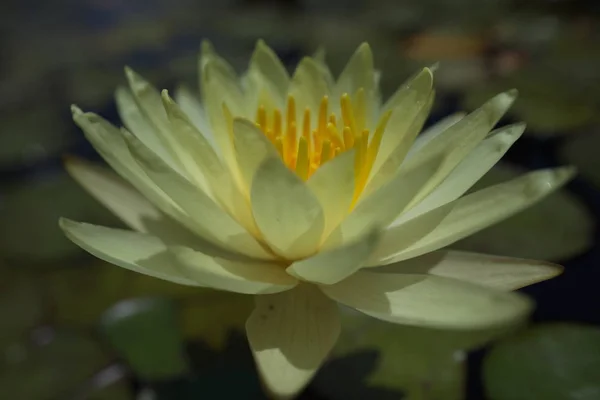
305	145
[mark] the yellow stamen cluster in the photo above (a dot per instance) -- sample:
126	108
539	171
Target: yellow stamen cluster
304	147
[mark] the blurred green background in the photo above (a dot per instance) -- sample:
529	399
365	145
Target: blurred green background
75	328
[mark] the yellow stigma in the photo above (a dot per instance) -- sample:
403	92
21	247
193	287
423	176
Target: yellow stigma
306	143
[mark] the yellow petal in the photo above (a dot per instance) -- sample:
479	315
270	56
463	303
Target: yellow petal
134	251
333	184
504	273
470	170
231	275
286	212
381	207
291	334
486	207
329	267
429	301
207	219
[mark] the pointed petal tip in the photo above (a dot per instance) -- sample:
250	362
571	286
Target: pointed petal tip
166	99
129	72
565	173
547	180
75	110
66	224
206	46
512	93
261	43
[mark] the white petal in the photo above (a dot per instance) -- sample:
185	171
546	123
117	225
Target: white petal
209	55
234	276
405	123
270	70
319	58
207	219
134	251
137	123
399	237
329	267
252	148
147	98
460	139
201	159
291	334
486	207
470	170
219	91
433	131
308	86
191	105
358	73
381	207
429	301
110	144
124	201
411	102
505	273
286	212
333	184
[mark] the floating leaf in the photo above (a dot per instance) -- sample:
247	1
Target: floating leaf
550	362
146	334
422	363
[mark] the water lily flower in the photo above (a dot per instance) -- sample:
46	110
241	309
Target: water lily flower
298	189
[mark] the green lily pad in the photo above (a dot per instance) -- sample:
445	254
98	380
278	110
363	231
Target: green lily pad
550	362
79	296
146	334
557	228
52	369
422	363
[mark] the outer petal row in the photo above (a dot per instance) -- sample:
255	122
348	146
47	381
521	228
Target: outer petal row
149	255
